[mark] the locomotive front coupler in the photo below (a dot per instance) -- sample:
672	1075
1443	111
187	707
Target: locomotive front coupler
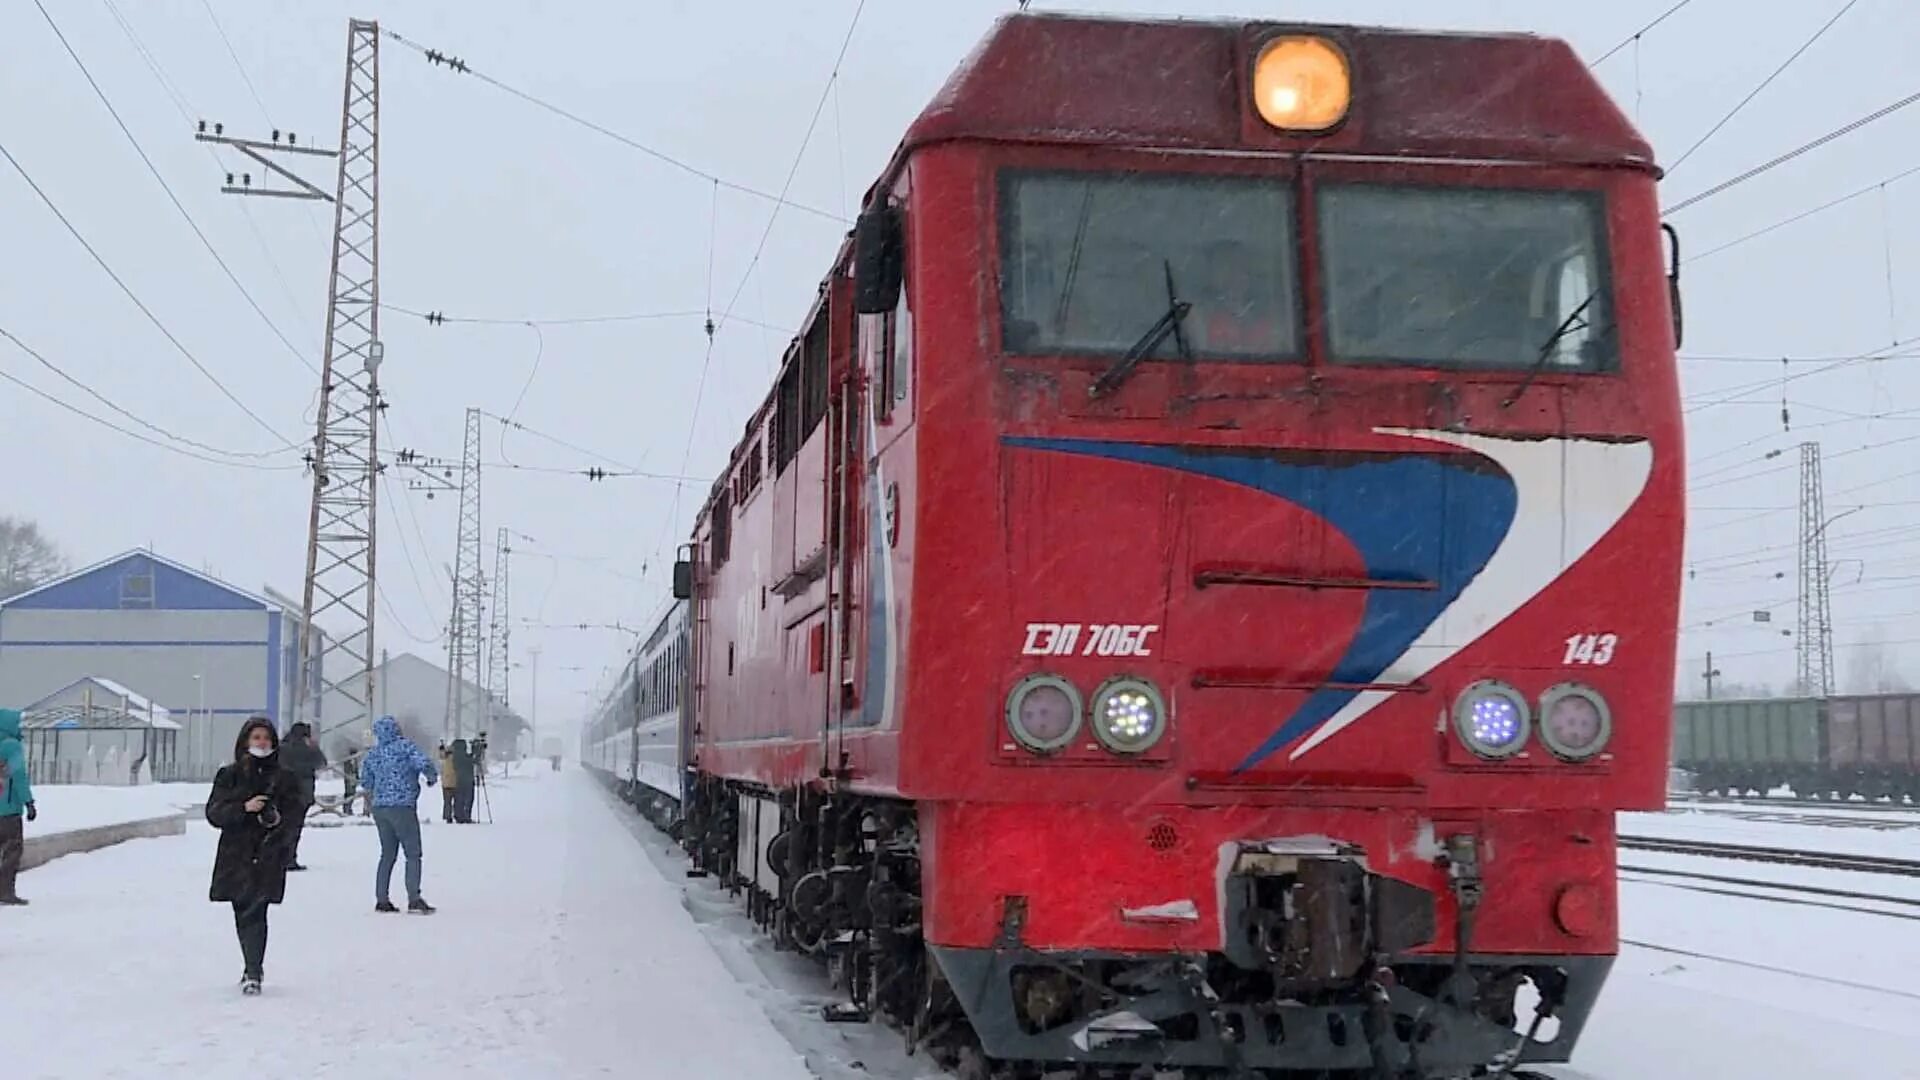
1462	863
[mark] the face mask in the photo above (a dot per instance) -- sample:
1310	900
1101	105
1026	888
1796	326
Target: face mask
260	751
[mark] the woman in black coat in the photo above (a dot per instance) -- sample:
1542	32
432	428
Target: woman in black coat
252	801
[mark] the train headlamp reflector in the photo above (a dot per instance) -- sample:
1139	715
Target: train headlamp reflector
1043	713
1129	715
1575	721
1302	83
1492	719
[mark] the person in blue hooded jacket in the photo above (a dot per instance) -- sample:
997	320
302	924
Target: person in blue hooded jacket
16	799
391	773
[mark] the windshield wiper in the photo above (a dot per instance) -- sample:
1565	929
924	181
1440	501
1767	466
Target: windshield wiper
1168	324
1575	320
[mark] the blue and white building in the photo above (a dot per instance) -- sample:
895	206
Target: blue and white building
209	653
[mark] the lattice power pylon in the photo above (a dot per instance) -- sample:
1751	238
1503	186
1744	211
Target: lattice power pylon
499	659
469	590
345	457
1815	644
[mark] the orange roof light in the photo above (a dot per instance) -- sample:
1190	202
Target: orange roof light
1302	84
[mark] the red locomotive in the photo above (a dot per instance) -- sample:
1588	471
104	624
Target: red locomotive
1207	574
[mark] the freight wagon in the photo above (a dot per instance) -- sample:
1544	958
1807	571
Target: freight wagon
1840	747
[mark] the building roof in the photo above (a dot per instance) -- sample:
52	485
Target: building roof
116	583
72	706
506	713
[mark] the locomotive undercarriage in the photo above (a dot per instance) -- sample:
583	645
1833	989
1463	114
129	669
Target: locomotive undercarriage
1314	981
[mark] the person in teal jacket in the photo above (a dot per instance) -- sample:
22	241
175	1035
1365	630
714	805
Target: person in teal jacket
16	798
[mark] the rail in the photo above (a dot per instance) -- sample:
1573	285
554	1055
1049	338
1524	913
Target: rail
1823	860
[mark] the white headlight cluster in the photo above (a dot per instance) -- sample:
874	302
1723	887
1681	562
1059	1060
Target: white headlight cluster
1128	715
1494	720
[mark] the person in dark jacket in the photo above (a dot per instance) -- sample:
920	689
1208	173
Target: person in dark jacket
251	804
304	760
463	778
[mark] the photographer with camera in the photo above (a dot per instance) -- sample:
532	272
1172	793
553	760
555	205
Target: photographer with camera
462	757
253	803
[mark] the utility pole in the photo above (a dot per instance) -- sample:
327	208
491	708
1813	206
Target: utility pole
499	660
1710	673
1814	647
469	589
533	703
344	459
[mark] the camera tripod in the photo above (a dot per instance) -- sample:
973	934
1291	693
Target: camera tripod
480	781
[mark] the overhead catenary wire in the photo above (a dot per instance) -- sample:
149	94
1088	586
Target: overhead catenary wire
706	361
187	115
1798	151
441	318
96	395
135	435
426	550
1764	83
1734	394
1720	482
533	372
462	67
219	385
1799	217
509	422
172	197
1638	34
232	54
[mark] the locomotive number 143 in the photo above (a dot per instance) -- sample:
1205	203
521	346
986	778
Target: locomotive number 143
1098	639
1595	649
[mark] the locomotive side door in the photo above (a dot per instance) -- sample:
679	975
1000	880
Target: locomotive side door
846	488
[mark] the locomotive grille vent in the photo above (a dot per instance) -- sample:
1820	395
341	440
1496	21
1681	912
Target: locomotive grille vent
1163	837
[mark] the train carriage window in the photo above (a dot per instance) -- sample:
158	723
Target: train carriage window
813	377
722	539
1091	261
786	416
1473	278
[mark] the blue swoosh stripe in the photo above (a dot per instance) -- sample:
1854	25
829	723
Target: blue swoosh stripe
1408	515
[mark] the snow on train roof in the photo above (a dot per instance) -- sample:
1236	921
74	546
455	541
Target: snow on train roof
1182	84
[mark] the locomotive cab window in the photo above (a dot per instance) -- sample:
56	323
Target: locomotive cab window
1092	261
894	357
1466	278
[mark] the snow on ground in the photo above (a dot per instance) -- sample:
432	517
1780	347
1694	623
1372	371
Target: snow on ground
66	807
559	951
1893	834
570	943
1748	989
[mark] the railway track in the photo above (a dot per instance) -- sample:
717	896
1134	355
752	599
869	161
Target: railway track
1779	892
1822	860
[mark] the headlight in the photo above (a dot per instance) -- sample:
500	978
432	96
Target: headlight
1129	715
1043	713
1575	722
1302	83
1492	719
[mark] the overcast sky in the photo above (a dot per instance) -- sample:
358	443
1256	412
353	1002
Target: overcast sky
494	209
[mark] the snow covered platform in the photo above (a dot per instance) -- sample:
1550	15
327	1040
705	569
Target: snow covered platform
41	850
559	951
67	807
